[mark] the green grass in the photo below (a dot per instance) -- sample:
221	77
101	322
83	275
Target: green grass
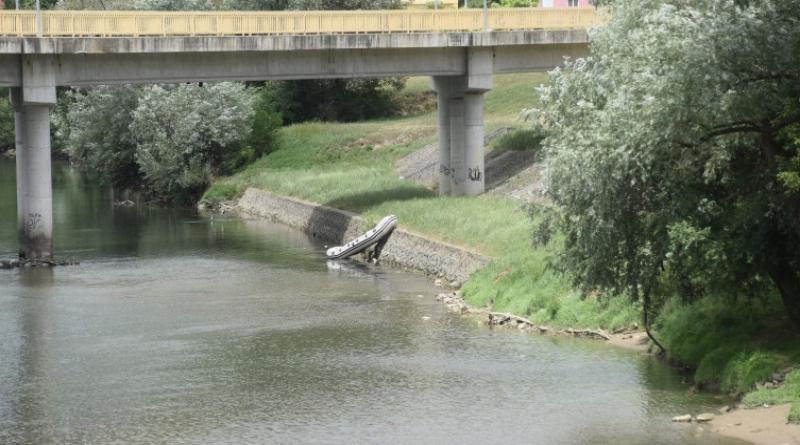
351	166
523	282
733	345
789	392
520	140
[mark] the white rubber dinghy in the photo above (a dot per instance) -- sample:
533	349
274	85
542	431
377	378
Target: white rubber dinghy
378	234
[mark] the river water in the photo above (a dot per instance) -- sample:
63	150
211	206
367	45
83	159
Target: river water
180	329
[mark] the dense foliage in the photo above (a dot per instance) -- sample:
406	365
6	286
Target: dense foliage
673	153
93	126
6	121
186	134
170	140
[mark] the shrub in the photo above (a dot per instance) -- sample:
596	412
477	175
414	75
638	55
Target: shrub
6	121
520	140
187	133
748	368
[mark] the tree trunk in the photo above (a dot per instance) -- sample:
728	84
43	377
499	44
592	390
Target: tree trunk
787	279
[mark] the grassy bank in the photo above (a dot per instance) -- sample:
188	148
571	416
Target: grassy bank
351	166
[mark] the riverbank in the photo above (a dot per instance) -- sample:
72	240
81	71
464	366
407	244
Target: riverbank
379	167
758	425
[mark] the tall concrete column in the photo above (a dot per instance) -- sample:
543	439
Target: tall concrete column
16	104
446	88
474	153
34	175
458	161
460	124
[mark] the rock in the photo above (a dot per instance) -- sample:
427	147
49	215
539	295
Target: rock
543	329
420	296
426	318
725	409
455	284
778	377
705	417
438	282
686	418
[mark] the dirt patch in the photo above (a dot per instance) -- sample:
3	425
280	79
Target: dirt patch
761	426
510	174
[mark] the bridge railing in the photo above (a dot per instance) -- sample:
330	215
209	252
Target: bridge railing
218	23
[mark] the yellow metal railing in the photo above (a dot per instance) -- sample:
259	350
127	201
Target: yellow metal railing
147	23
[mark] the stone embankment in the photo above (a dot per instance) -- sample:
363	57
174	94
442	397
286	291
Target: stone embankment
333	226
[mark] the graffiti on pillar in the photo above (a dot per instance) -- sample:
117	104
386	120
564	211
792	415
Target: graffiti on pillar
33	221
474	174
450	173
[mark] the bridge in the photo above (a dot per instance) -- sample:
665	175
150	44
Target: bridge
459	49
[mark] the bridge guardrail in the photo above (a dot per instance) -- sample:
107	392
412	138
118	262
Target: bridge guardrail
225	23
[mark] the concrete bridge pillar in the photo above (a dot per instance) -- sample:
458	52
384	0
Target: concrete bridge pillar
460	125
31	105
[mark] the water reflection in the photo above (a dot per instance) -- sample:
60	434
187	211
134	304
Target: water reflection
183	330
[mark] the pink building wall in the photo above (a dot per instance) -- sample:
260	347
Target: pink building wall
563	3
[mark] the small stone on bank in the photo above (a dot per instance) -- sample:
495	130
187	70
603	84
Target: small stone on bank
705	417
685	418
725	409
438	282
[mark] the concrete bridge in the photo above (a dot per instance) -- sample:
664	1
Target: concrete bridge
460	51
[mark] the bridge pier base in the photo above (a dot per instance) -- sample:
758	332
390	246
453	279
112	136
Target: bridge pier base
460	126
34	175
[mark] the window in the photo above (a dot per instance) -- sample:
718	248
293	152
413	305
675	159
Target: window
572	3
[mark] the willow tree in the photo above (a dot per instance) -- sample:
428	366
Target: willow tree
674	149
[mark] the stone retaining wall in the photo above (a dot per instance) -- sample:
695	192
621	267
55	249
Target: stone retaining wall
334	226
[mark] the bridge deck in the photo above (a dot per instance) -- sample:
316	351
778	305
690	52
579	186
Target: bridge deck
237	23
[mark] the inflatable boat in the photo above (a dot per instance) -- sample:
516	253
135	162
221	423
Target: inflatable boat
377	236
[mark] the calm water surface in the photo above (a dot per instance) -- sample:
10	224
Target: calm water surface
178	329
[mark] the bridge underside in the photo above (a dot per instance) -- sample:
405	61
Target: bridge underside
461	66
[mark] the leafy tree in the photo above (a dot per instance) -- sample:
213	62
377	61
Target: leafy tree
6	121
674	151
187	133
334	99
93	125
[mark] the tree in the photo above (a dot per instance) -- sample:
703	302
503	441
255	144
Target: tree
673	153
186	133
6	121
93	125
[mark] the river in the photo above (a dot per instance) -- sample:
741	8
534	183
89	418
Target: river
182	329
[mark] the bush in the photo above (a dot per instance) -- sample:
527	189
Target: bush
520	140
344	100
93	124
748	368
187	133
6	121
